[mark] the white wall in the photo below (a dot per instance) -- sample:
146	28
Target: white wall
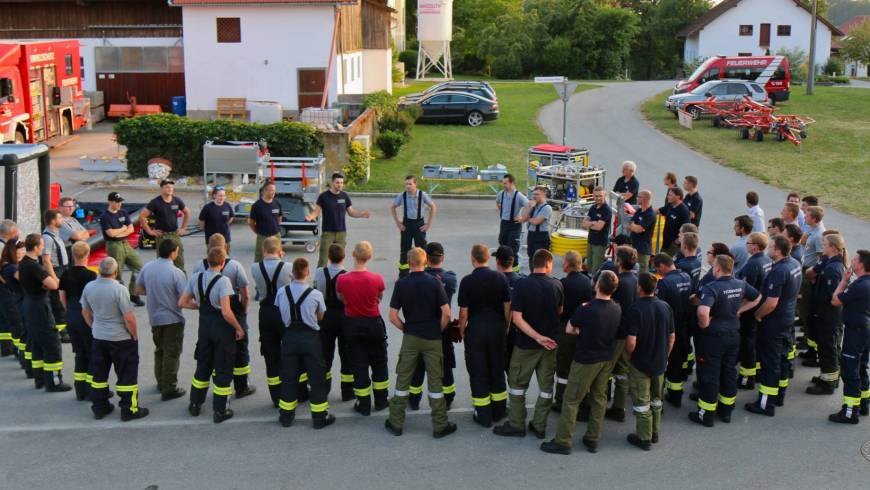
377	70
722	35
276	41
349	75
690	48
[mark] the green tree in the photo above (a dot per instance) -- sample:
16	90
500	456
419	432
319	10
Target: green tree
656	51
856	46
508	44
616	29
823	6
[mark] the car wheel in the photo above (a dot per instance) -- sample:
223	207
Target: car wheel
744	133
475	119
310	247
772	100
695	112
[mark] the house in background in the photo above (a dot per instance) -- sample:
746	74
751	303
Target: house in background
128	47
284	51
398	28
756	28
854	69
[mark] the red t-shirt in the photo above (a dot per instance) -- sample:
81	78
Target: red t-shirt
360	291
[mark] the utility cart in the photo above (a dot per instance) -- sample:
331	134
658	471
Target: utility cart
565	172
298	182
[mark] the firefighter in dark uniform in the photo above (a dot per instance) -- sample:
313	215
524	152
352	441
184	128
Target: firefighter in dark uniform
510	203
435	255
578	290
72	284
106	308
301	307
235	272
164	209
504	263
332	324
674	288
854	298
484	316
828	319
537	215
624	296
717	341
270	275
413	226
210	293
776	327
690	263
42	336
426	311
55	259
754	273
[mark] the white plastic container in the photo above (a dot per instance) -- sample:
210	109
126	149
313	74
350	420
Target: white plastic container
264	111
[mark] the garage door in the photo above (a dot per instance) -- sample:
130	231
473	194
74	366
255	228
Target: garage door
312	82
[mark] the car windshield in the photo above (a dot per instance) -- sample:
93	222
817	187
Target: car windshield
756	88
705	87
700	69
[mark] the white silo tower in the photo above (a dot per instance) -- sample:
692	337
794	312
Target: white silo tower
434	32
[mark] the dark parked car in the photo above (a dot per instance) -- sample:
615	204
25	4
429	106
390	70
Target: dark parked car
482	89
458	107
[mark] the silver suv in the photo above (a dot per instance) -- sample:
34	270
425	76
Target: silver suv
723	90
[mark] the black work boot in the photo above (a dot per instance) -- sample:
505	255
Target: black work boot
507	430
763	406
381	400
634	440
286	417
247	390
821	388
140	413
674	397
554	447
846	415
414	401
819	380
64	336
136	300
499	410
446	431
702	417
779	400
724	412
448	399
222	416
746	383
483	416
392	429
591	446
865	407
363	405
81	388
100	413
322	419
275	394
347	391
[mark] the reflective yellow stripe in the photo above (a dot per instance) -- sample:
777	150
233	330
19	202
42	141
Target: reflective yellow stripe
89	379
99	385
449	389
758	366
783	383
28	355
727	400
747	371
367	391
767	390
347	378
134	390
241	371
319	407
381	385
416	390
223	390
516	268
480	402
404	267
80	376
691	356
812	344
303	378
52	366
287	405
709	407
830	377
674	386
850	401
865	394
5	336
274	381
497	397
329	375
60	327
38	364
200	384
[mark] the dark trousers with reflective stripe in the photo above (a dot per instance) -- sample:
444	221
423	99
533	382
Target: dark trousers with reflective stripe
123	355
367	338
412	234
242	364
57	309
536	240
302	351
853	362
6	343
564	358
43	341
748	342
271	331
215	352
675	374
82	340
717	369
12	322
774	344
448	383
828	327
332	334
510	233
484	359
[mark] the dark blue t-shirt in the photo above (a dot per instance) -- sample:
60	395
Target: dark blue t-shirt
675	289
625	294
783	282
692	267
165	214
598	321
578	290
642	242
539	298
724	296
334	208
856	303
652	322
631	185
114	221
828	280
447	279
420	297
695	205
266	217
600	213
216	219
755	270
675	217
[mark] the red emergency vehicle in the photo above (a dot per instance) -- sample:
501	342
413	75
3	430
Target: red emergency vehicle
40	91
771	72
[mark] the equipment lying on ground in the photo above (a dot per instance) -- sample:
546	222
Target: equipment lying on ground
754	120
132	109
434	174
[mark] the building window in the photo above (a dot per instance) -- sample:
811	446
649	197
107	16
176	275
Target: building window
229	30
746	30
783	30
82	67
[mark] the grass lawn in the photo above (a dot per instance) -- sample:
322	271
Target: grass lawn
833	162
503	141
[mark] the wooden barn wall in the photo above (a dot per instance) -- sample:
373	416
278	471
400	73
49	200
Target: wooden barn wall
149	88
37	20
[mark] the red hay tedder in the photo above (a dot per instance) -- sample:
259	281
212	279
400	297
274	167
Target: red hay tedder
753	120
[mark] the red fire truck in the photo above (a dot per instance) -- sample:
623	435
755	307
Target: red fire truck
40	91
771	72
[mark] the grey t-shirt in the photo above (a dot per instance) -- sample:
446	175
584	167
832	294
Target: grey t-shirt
109	301
741	255
223	287
544	210
320	277
164	284
68	226
813	247
54	248
233	271
284	277
506	199
412	203
312	305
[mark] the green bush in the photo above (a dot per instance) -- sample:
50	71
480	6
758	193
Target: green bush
180	140
415	111
390	142
826	79
398	121
409	58
834	66
382	102
356	170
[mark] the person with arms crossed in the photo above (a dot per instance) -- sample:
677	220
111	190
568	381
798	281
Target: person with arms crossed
217	215
165	208
265	218
510	203
117	227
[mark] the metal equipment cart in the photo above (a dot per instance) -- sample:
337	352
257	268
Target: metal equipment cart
565	172
298	182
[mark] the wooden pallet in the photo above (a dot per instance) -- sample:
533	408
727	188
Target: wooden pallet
232	107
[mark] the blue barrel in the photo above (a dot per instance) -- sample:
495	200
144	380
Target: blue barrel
179	105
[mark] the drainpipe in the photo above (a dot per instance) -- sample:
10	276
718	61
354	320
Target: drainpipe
331	58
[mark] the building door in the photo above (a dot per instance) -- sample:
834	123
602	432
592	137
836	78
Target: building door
764	39
311	85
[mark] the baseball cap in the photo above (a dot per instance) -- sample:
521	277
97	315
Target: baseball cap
116	197
166	181
504	253
434	249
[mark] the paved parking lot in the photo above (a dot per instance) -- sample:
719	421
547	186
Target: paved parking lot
51	440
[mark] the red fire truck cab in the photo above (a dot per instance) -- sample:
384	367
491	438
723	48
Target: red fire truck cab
771	72
40	91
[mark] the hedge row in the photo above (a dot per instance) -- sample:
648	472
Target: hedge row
179	140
